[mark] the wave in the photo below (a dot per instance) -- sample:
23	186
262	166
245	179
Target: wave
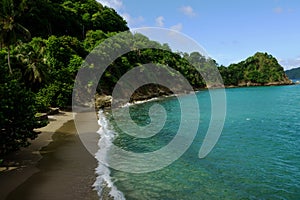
149	100
104	180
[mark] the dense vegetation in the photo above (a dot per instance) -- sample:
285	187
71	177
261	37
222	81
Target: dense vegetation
186	64
259	69
293	73
44	43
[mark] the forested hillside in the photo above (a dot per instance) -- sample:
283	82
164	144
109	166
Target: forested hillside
293	73
259	69
44	43
73	18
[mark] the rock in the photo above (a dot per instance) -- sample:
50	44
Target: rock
41	116
42	119
102	101
53	111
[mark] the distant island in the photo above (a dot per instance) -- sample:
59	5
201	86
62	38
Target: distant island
293	73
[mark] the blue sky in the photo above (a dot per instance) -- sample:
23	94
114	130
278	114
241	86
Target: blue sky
229	30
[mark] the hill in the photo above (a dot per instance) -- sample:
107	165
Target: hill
257	70
293	73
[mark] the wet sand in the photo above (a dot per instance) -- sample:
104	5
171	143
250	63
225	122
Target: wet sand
55	166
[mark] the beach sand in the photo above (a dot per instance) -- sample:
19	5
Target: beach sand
56	165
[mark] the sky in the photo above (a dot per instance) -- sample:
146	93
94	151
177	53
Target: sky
228	30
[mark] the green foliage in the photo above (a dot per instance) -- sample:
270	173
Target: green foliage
260	69
108	20
10	28
33	63
188	65
60	50
3	63
57	94
94	38
74	18
17	116
47	65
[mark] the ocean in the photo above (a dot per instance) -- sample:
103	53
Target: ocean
256	157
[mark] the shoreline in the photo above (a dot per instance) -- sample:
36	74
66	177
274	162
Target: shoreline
52	162
104	101
55	166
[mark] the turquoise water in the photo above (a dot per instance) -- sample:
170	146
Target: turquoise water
256	157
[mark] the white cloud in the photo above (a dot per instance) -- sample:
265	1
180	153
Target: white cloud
188	11
160	21
290	63
116	4
132	21
178	27
281	10
278	10
121	9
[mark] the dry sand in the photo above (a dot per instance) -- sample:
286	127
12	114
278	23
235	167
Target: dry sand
56	165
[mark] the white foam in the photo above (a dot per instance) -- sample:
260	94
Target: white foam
149	100
103	172
139	102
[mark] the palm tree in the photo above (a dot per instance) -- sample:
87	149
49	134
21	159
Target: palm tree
33	61
10	29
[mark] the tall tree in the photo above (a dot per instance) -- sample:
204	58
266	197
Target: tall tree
10	29
33	62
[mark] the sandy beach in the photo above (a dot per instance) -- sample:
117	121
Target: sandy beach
55	166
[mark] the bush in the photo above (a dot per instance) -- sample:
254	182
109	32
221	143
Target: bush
57	94
17	116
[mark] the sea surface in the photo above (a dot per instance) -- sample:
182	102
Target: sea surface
256	157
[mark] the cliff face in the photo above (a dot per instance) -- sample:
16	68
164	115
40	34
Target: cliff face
284	81
141	94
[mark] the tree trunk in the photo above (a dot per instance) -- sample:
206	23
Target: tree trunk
8	59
